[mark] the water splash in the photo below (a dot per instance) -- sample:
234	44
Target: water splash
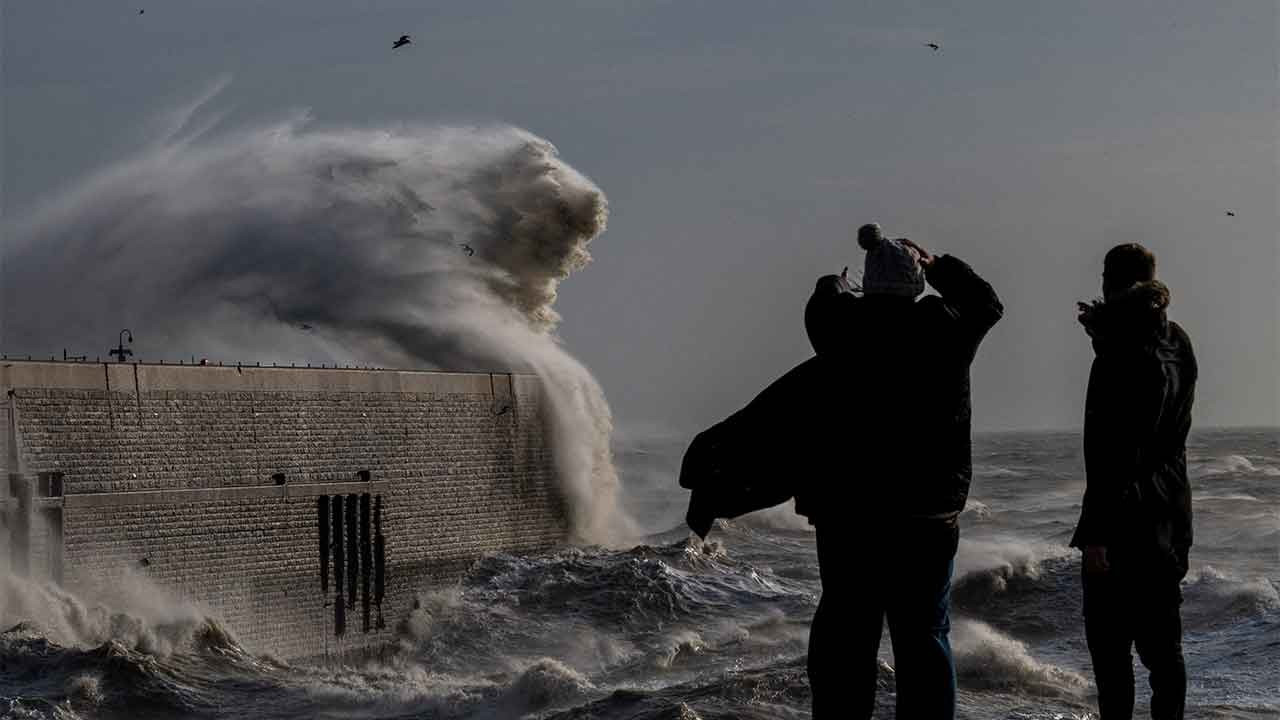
415	247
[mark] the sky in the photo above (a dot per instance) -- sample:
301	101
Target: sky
741	143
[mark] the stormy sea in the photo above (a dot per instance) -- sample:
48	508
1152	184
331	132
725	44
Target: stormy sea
674	628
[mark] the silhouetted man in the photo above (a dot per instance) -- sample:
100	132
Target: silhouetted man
1135	524
886	517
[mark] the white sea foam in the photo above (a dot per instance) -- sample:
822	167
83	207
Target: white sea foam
1233	464
989	660
133	612
1007	555
410	247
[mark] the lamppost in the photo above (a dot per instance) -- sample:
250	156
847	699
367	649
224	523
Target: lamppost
120	351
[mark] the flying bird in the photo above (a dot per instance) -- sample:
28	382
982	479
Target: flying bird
141	11
404	40
467	249
1231	213
934	46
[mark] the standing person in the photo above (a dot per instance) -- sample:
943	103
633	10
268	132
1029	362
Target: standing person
1135	522
886	520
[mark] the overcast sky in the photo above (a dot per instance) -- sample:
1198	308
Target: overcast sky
740	143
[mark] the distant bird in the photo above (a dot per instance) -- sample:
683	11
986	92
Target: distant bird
934	46
305	326
404	40
141	11
1231	213
467	249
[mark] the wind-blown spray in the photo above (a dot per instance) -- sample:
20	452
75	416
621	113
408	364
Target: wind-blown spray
419	247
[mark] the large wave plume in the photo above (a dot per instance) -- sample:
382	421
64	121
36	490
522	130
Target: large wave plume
415	247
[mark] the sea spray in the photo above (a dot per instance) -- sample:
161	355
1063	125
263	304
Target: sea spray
414	247
134	613
989	660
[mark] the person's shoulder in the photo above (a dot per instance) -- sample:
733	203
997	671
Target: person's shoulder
1181	341
933	308
1179	337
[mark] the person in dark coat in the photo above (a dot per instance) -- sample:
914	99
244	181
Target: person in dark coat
787	434
886	515
1135	522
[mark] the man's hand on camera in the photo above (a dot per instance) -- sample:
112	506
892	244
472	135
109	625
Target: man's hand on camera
926	257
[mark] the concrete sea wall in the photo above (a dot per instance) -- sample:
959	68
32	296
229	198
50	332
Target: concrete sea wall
219	483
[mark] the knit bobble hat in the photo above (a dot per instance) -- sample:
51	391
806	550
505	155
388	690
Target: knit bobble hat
891	268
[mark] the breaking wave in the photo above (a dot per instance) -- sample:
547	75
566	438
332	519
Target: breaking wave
137	616
989	660
1232	465
1213	598
412	247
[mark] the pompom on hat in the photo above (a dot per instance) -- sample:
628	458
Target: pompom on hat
891	268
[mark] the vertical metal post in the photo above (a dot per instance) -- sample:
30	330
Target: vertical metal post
339	558
353	549
366	558
379	561
322	529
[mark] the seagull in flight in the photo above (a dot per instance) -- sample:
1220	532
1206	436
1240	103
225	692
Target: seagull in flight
467	249
404	40
934	46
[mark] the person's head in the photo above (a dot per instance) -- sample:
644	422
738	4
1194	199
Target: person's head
891	267
1125	266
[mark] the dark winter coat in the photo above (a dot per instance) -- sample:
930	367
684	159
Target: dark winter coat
1137	502
879	419
901	370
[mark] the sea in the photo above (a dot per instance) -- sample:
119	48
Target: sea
677	629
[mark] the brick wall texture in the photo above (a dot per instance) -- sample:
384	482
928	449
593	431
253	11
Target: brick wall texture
466	460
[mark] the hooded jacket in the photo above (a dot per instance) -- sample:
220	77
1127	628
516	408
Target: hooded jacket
879	418
1137	501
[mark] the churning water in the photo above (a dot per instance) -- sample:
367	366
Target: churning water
675	629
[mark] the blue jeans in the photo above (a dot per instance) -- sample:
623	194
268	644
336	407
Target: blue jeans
901	572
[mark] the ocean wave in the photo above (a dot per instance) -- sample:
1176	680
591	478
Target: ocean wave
779	517
136	615
110	678
1229	497
989	660
995	561
1024	593
413	247
774	691
655	610
975	511
1214	599
681	646
993	472
1233	464
633	588
546	683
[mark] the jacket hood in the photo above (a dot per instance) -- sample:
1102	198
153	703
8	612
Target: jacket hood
1135	316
